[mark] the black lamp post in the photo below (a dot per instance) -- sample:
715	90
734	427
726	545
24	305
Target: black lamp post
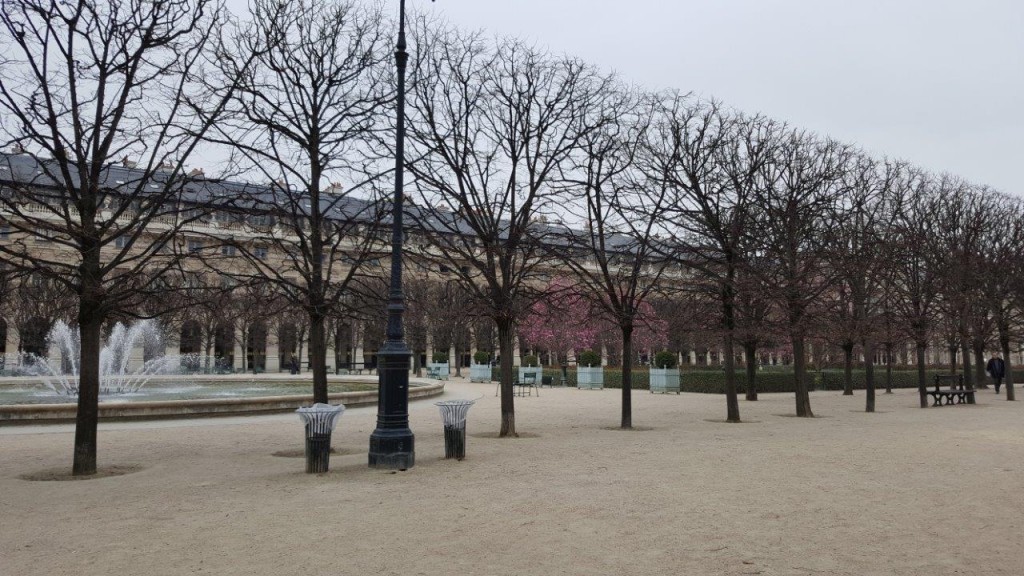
392	442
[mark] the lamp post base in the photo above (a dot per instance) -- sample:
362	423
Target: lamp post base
392	449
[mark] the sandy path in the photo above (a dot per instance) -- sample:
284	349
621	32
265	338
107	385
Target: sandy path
904	491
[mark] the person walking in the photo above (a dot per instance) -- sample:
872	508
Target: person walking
996	369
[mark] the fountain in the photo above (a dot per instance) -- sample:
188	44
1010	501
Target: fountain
116	374
46	390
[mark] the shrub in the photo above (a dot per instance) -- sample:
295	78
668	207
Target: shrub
440	357
530	360
665	359
481	357
588	358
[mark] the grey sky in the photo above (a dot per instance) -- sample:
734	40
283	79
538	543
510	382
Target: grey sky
937	82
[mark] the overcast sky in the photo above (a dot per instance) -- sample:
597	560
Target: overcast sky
937	82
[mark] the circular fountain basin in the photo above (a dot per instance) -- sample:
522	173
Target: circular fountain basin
27	400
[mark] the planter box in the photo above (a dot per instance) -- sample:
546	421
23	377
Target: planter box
480	373
537	372
590	378
439	371
665	380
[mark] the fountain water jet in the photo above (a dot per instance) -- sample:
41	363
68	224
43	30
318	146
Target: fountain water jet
116	376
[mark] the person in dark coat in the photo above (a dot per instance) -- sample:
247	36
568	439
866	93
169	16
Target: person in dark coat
996	369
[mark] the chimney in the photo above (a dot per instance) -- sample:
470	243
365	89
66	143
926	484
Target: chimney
335	188
17	148
127	163
196	173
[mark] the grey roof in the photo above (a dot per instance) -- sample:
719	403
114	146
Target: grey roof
25	169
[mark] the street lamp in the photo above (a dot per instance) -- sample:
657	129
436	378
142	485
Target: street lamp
392	442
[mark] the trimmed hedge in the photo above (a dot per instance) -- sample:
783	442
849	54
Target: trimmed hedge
833	379
768	381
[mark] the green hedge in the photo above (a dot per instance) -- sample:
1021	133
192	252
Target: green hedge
833	379
713	381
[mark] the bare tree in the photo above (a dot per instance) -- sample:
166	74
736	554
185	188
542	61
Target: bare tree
962	214
303	117
917	263
616	256
791	233
490	125
715	161
84	84
859	254
1001	266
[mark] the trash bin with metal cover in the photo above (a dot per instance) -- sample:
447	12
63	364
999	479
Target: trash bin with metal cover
453	413
320	420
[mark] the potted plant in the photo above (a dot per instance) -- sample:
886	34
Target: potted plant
439	367
480	370
664	373
529	366
589	373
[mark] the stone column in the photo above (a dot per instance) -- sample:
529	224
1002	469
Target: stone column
239	355
357	345
273	354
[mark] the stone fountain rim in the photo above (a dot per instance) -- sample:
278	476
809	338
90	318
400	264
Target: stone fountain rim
61	413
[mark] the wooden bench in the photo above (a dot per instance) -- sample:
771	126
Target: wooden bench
954	393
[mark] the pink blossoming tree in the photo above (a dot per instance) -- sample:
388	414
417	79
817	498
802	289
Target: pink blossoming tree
561	321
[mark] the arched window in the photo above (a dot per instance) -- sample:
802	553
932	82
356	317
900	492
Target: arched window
190	345
33	337
287	344
224	347
256	347
3	343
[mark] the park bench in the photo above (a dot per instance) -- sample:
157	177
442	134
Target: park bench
524	387
353	368
953	393
527	385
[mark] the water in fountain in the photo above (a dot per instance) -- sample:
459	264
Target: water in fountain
116	375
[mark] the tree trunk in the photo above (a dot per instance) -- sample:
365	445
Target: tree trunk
244	341
732	401
965	351
848	369
952	358
869	376
922	375
979	364
318	357
210	335
803	398
750	348
505	348
627	375
888	367
90	325
1004	344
